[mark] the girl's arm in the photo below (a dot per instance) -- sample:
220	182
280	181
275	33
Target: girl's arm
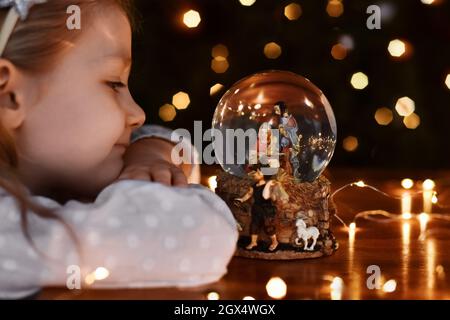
135	234
149	158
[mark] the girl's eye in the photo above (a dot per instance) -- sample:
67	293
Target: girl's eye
116	85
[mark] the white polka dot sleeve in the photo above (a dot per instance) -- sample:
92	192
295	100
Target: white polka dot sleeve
136	234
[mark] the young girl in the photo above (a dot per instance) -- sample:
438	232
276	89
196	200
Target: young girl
77	193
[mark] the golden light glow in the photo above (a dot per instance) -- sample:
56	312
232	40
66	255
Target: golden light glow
434	198
407	183
384	116
212	183
101	273
248	298
213	296
247	3
427	195
406	205
215	89
90	279
339	51
359	81
405	106
335	8
167	112
412	121
424	218
192	19
360	184
352	226
181	100
220	50
272	50
351	234
428	184
336	288
397	48
427	1
293	11
406	215
219	65
447	81
276	288
440	271
390	286
350	143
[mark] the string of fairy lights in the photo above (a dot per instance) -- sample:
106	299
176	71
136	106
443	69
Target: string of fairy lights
276	287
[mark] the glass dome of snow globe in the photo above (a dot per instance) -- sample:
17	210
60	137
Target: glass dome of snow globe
274	120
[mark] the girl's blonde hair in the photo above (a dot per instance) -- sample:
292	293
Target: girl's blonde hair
34	47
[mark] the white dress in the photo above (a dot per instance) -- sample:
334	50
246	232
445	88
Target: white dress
135	234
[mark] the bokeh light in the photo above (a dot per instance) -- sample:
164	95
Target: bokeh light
272	50
215	89
339	51
213	296
407	183
219	65
447	81
276	288
412	121
247	3
390	286
405	106
192	19
384	116
181	100
335	8
428	184
220	50
359	81
350	143
293	11
101	273
397	48
167	112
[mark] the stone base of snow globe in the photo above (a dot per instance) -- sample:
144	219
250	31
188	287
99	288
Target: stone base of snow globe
300	226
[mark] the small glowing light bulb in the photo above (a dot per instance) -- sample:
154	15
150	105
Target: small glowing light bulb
212	183
406	215
276	288
360	184
428	184
352	226
407	183
434	199
390	286
424	218
213	296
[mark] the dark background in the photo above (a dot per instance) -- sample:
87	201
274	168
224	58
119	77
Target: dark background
169	57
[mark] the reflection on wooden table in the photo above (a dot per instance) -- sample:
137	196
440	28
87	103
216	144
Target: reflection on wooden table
412	264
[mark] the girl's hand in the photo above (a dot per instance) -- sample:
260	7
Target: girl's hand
149	159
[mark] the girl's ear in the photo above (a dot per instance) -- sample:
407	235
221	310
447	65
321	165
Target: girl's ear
12	93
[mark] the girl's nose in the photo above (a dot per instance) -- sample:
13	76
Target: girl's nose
135	116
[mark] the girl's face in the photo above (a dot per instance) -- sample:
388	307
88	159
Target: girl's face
77	129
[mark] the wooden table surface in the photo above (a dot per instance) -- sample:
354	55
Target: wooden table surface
420	268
